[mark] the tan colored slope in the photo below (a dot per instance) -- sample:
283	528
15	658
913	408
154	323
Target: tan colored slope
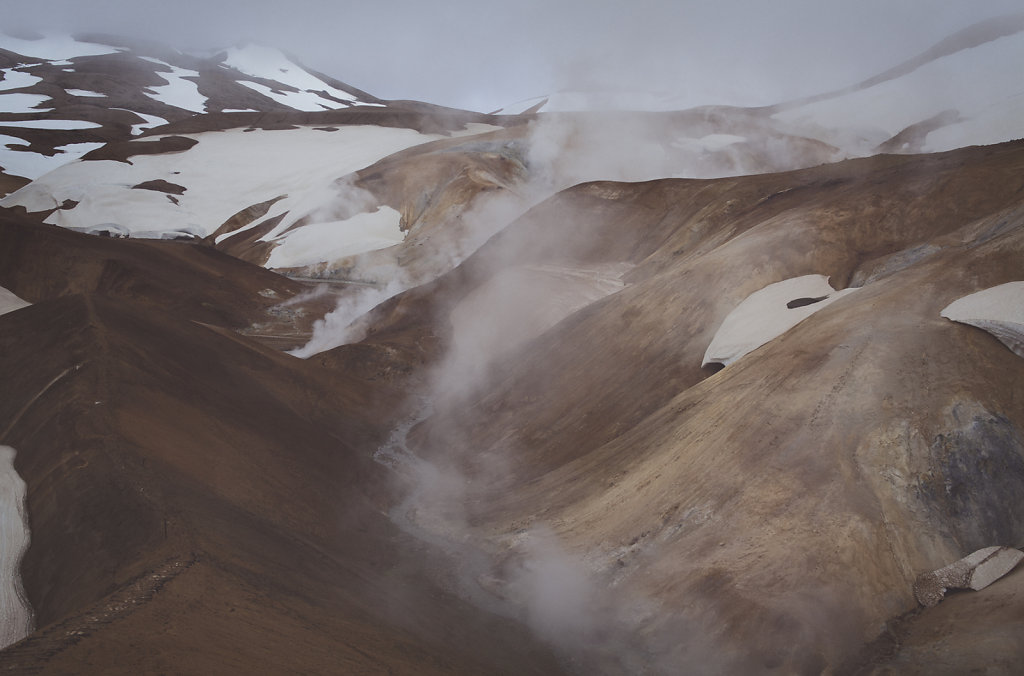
964	631
701	248
202	504
453	194
435	189
780	509
798	496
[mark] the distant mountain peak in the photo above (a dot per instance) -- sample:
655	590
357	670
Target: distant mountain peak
53	87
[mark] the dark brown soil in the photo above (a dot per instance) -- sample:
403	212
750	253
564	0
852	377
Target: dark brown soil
201	503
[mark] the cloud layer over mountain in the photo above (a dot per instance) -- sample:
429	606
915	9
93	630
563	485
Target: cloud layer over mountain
484	55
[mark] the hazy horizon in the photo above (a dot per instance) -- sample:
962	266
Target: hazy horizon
482	56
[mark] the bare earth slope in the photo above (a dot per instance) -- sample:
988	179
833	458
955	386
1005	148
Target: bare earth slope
200	500
200	503
781	508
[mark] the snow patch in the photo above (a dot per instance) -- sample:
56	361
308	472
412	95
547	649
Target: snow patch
998	310
766	314
85	93
9	302
179	92
270	64
324	242
15	79
304	101
13	141
23	103
150	121
33	165
54	47
50	124
225	172
520	107
975	571
16	621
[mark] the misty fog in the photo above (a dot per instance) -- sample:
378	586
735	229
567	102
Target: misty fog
482	56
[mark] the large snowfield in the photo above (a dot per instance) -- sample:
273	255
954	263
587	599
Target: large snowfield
224	173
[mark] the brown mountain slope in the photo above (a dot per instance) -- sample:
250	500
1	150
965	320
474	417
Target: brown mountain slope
39	262
779	510
202	504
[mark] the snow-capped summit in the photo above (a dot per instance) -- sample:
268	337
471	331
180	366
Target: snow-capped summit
303	89
62	96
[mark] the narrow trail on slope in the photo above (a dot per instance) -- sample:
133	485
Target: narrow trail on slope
28	404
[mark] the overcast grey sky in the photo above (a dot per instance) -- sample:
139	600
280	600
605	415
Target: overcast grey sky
480	54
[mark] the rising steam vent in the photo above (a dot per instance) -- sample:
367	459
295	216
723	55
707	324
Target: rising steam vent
767	314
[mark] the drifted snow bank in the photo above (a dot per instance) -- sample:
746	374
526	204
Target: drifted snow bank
323	242
9	302
999	310
767	314
975	571
15	612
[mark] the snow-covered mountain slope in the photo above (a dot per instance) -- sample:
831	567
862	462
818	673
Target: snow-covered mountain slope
353	193
313	199
972	96
966	90
193	192
62	96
